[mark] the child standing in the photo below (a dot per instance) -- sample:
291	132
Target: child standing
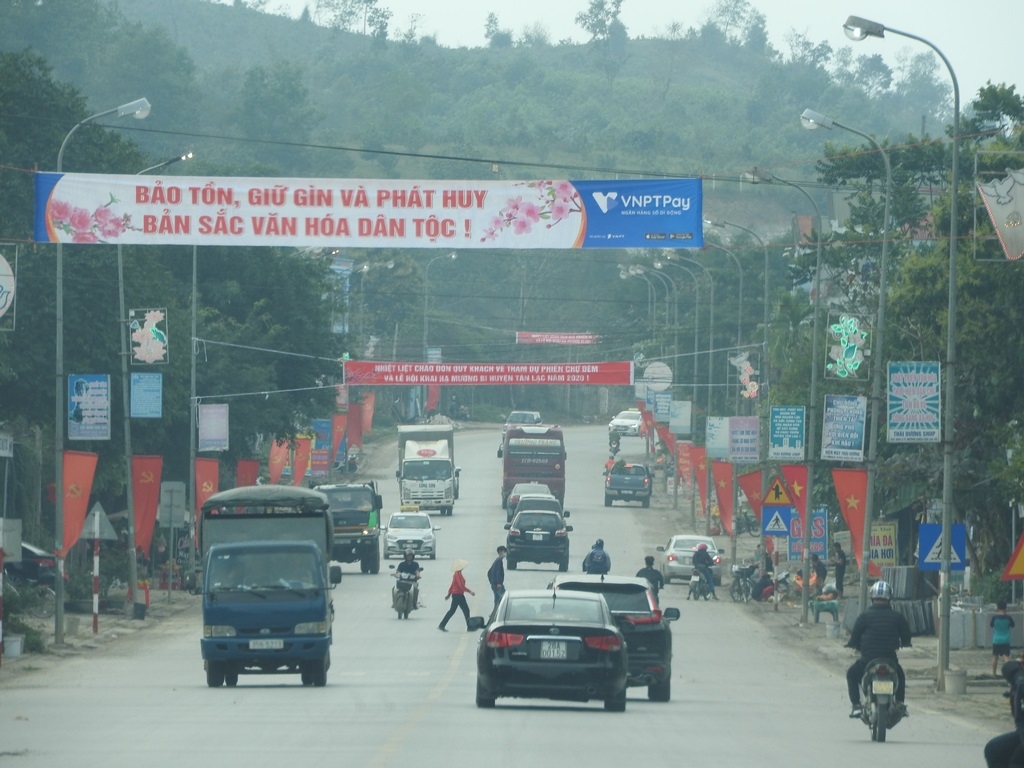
1001	625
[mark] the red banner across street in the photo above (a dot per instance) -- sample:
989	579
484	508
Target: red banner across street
372	373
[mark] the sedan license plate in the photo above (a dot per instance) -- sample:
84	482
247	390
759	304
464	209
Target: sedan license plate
266	645
553	649
537	537
882	687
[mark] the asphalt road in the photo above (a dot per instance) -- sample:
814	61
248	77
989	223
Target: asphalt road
402	693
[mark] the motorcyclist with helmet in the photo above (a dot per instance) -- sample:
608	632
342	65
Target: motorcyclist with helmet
702	561
597	560
878	633
410	566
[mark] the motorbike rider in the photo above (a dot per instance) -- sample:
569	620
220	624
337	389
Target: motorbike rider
702	561
597	560
652	574
878	633
409	565
1008	749
610	463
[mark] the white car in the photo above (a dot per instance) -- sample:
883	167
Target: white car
410	530
626	423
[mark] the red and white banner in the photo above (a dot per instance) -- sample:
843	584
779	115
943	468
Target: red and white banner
531	337
146	474
372	373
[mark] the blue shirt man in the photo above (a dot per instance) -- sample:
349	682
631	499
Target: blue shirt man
496	575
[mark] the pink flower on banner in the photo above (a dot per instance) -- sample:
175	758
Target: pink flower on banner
548	202
81	226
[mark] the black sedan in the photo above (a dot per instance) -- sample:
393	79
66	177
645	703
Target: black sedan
551	645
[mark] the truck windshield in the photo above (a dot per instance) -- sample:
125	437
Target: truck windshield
427	470
264	569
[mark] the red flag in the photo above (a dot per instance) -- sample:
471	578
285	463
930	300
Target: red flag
684	462
722	473
207	480
247	472
852	490
338	422
368	401
355	426
146	473
279	456
750	482
79	470
303	446
433	396
700	471
796	480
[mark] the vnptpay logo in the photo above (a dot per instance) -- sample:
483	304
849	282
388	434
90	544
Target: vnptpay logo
609	201
606	202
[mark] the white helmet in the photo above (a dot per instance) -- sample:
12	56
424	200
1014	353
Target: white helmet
881	590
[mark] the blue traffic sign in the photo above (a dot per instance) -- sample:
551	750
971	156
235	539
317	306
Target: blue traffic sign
775	520
929	547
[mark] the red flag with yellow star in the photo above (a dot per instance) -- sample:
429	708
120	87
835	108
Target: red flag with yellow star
280	455
852	489
796	479
750	482
700	471
721	471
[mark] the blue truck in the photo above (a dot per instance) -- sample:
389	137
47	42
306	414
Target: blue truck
266	584
628	482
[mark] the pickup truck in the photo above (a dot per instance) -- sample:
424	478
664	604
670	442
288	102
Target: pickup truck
628	482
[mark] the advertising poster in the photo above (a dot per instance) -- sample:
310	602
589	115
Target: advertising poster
914	403
787	433
88	406
843	427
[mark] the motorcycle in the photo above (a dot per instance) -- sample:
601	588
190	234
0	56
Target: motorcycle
404	595
614	443
879	709
698	586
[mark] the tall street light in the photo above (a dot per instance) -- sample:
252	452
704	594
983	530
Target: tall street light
812	120
629	270
739	269
758	176
426	293
859	29
133	573
138	109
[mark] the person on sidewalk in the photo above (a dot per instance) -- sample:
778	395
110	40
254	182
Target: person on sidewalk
1001	625
457	594
838	561
878	633
496	575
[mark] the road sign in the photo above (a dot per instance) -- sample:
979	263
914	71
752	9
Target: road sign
775	520
929	550
1014	570
777	495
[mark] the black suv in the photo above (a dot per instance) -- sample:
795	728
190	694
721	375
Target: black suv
644	625
538	536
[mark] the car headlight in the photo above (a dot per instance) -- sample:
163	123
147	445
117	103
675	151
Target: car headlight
311	628
218	630
428	537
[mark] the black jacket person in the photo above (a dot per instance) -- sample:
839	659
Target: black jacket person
878	633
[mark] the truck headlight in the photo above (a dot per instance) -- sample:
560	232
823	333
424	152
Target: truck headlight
218	630
311	628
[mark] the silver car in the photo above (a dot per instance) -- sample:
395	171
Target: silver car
626	423
410	530
677	557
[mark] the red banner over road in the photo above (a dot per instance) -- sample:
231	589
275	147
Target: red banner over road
531	337
371	373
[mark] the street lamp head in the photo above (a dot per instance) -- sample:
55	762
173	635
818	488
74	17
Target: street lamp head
453	255
757	176
710	223
812	120
138	109
858	29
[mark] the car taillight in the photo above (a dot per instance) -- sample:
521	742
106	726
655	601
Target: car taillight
47	563
647	481
561	533
514	532
671	558
504	640
608	480
717	560
604	643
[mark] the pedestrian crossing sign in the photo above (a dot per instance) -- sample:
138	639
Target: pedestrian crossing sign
775	520
929	550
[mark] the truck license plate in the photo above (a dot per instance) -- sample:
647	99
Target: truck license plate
884	687
266	645
552	649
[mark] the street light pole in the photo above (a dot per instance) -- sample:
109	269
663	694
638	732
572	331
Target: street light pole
859	29
757	176
138	109
426	293
133	571
739	269
811	120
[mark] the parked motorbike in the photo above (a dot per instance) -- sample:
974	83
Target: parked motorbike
879	709
698	586
404	595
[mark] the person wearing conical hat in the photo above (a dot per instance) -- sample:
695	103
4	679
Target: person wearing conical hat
457	594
